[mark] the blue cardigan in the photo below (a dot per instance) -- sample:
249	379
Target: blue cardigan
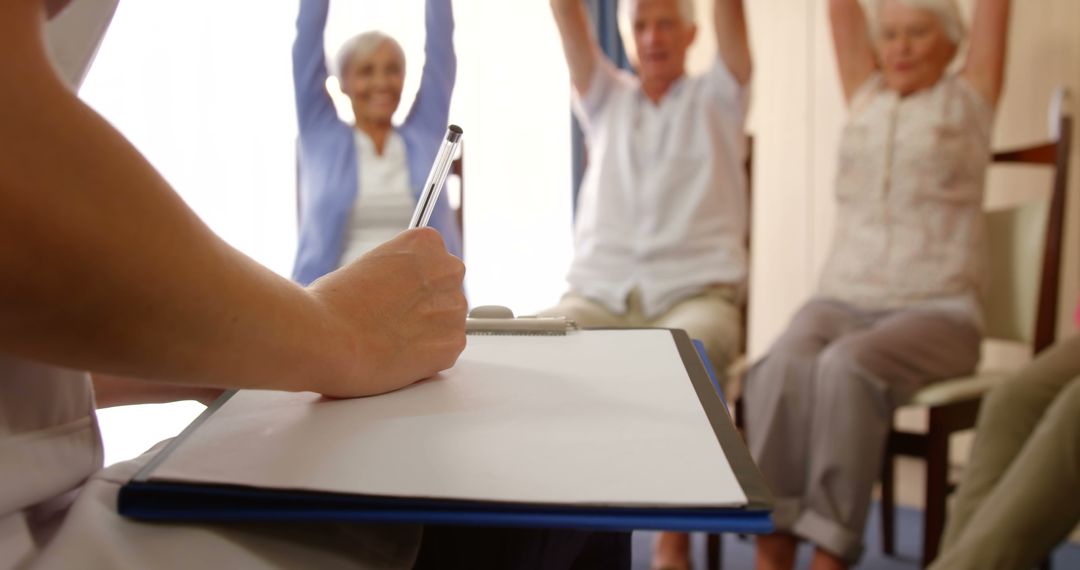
328	157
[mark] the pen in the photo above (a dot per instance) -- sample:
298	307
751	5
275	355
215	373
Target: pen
437	178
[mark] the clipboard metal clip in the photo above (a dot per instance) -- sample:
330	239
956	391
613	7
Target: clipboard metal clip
499	320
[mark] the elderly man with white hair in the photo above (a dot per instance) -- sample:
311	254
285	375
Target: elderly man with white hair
659	238
899	303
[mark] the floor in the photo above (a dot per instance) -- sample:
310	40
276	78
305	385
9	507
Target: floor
739	553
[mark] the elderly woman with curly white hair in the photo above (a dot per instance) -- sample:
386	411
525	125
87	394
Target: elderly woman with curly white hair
359	181
899	301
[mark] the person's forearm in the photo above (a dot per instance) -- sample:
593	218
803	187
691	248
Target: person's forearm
731	38
579	47
105	267
432	104
439	35
989	47
314	108
111	390
560	7
855	58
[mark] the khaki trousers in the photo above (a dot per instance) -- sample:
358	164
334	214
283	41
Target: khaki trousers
1020	494
711	316
819	405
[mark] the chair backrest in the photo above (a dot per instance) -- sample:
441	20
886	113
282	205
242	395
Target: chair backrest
1022	302
744	308
457	191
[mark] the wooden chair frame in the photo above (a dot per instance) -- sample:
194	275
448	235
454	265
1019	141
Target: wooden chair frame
714	551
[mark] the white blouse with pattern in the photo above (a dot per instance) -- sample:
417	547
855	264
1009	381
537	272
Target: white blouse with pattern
910	228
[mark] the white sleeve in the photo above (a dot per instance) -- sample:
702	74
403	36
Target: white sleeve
865	94
725	88
606	80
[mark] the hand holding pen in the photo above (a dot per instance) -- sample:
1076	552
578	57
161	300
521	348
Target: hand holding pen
402	302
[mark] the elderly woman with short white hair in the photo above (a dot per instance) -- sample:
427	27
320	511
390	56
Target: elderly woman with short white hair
359	182
900	298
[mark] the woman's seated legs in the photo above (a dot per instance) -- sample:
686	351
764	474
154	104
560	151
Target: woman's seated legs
778	401
860	380
820	404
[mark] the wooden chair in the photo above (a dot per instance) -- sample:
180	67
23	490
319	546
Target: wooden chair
1022	307
457	192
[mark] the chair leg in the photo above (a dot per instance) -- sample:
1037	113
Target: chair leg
714	551
937	485
888	503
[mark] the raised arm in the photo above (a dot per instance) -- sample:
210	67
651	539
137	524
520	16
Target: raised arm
106	269
731	38
851	41
985	66
579	44
314	107
432	103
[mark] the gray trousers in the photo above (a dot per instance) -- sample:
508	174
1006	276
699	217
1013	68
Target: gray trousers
711	316
1020	494
819	406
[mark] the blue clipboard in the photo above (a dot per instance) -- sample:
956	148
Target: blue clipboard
147	499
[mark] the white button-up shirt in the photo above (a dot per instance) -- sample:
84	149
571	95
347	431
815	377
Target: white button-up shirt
663	205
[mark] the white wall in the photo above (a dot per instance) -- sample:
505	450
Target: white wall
513	100
209	101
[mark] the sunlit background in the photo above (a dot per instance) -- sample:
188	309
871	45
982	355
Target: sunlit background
204	90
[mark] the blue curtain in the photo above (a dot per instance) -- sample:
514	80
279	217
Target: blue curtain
604	14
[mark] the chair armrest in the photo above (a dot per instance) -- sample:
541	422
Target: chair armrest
957	389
